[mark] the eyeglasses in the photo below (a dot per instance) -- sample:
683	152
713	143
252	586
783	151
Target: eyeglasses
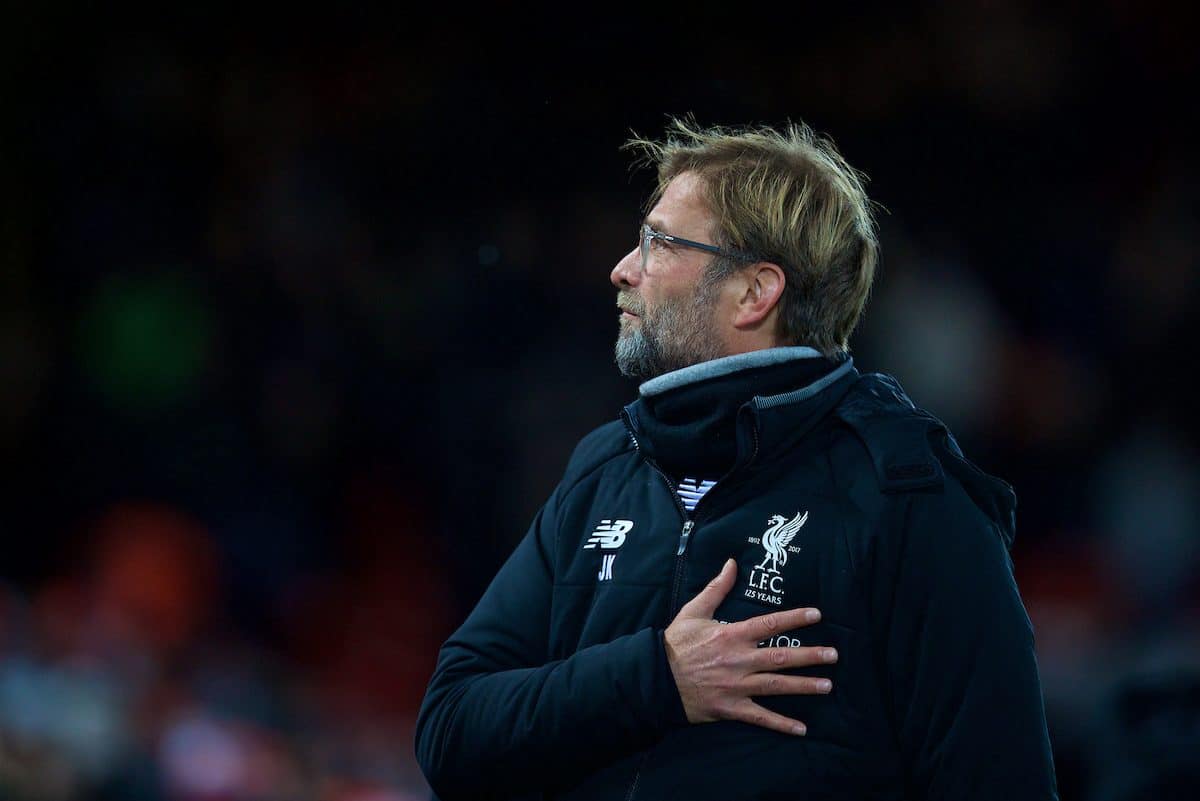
649	234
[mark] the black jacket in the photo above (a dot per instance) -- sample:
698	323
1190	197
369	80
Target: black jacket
557	685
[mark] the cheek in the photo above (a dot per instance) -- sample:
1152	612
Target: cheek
651	311
657	297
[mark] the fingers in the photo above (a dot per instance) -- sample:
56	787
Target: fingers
749	712
705	604
783	658
764	626
779	684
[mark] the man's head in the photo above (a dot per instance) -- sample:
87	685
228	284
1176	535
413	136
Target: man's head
790	256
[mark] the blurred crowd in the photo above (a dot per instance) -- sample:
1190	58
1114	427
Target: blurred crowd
297	332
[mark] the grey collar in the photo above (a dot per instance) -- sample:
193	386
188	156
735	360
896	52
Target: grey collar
724	366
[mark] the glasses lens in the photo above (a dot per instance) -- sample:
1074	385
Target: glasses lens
645	246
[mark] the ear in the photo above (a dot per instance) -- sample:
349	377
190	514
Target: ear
763	283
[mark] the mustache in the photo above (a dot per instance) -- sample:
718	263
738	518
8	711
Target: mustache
629	302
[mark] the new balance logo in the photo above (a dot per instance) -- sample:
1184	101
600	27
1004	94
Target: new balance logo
609	535
605	573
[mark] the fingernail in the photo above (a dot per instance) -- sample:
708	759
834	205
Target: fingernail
829	655
812	615
800	729
824	685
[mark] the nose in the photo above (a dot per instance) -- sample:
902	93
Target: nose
628	271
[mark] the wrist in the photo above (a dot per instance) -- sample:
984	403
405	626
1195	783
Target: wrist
675	711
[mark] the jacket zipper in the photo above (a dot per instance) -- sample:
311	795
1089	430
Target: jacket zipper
685	536
685	533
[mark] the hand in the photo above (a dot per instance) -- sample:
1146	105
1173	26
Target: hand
718	667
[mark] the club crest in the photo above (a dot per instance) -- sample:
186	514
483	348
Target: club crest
766	582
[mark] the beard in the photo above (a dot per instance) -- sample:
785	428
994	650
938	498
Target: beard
676	334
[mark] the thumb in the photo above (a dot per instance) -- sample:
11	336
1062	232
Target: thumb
708	599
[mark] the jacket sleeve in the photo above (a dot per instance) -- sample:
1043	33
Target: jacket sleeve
959	657
500	718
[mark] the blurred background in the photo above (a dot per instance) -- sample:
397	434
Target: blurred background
300	319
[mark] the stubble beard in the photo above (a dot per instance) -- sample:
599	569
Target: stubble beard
677	334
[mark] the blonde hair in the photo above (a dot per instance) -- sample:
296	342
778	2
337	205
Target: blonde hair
787	197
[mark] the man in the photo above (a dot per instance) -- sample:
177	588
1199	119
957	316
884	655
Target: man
773	578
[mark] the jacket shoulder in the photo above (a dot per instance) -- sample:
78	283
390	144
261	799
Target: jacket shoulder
894	433
595	449
905	449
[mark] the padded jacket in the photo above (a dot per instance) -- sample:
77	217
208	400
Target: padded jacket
558	686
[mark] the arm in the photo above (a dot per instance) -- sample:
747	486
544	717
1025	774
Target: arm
501	718
965	694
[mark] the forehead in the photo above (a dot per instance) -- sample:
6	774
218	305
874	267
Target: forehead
682	210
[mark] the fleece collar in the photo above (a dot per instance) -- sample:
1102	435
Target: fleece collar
703	420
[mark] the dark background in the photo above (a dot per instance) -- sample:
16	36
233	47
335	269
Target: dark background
301	317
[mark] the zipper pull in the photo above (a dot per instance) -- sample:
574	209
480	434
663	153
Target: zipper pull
683	537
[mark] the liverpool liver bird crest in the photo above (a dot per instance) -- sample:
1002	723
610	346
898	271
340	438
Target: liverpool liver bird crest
776	539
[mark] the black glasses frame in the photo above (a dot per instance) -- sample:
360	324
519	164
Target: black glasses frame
649	234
